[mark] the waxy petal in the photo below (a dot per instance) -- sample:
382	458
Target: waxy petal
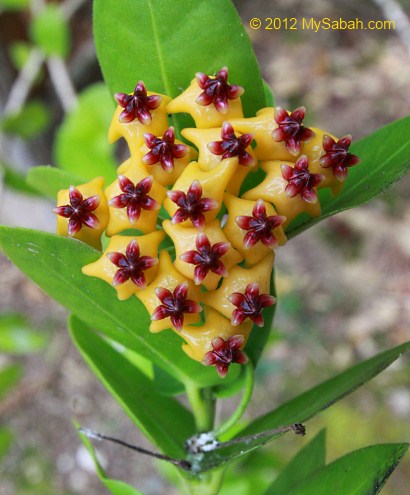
91	203
337	156
134	197
151	158
121	276
160	312
139	280
231	145
120	201
64	211
90	221
290	129
200	273
238	317
133	250
260	226
79	211
163	150
300	181
217	90
137	105
175	305
75	196
133	211
224	353
250	305
118	259
74	225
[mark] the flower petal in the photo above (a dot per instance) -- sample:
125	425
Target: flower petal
74	225
121	276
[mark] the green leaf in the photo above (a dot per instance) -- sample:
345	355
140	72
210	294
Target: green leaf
6	439
15	180
29	122
19	52
116	487
55	262
148	41
17	337
363	472
81	145
385	157
9	377
50	32
48	180
322	396
303	407
311	458
269	98
166	384
13	5
163	420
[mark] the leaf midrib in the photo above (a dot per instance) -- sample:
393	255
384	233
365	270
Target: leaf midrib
164	75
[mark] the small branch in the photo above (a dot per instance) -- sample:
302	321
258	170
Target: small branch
62	82
22	85
181	463
206	442
297	428
203	407
26	77
393	11
70	7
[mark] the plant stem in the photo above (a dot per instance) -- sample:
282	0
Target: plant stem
203	407
206	484
246	396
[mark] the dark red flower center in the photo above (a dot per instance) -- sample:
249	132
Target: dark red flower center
337	156
290	129
134	197
138	105
250	305
260	226
163	150
231	145
217	90
206	258
300	180
224	353
131	265
192	205
79	211
175	305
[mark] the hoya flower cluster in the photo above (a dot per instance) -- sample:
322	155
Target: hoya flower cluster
202	250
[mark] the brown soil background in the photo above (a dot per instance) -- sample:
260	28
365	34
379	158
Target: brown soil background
343	286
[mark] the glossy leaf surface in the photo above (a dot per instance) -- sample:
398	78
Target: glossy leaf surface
49	180
163	420
363	472
311	458
146	40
